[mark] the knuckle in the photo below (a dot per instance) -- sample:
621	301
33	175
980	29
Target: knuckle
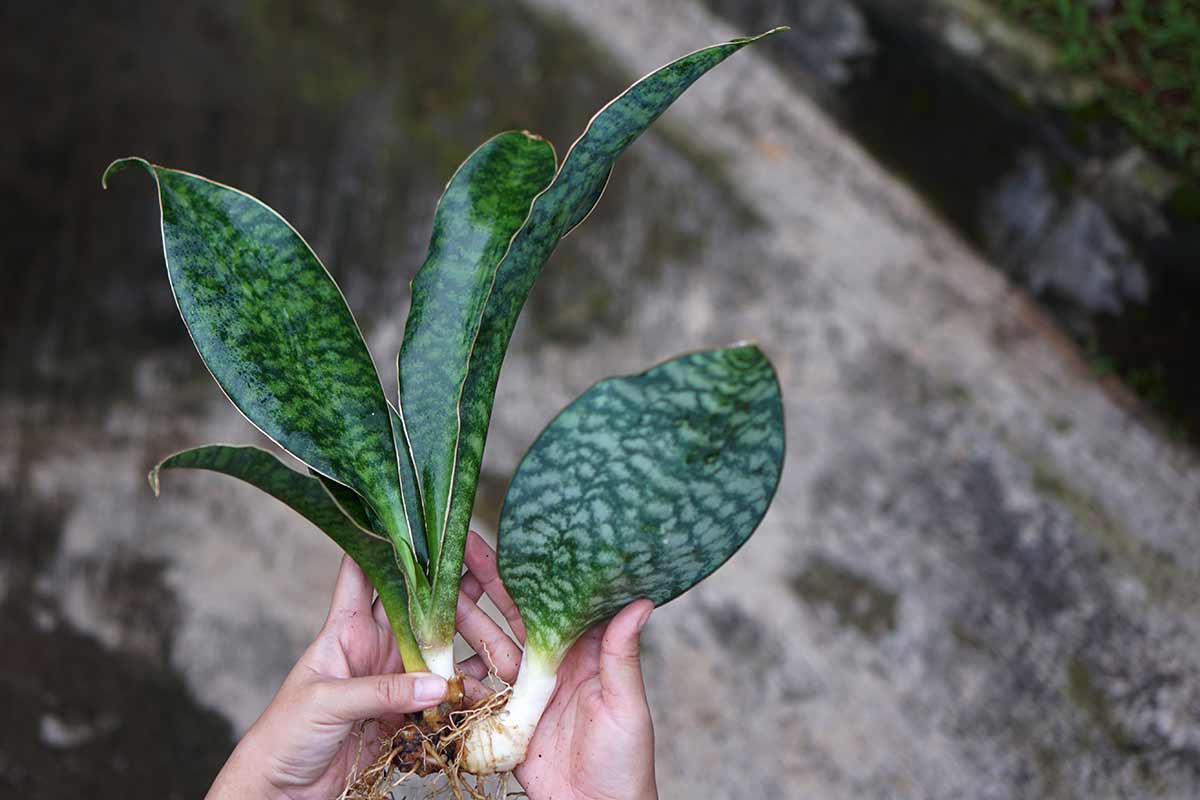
620	651
392	690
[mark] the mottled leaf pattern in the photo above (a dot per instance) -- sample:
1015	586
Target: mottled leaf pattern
276	333
483	205
640	488
364	516
575	189
305	495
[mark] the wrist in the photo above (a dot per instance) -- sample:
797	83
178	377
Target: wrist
243	775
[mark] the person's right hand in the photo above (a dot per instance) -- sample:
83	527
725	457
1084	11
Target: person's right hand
595	740
303	745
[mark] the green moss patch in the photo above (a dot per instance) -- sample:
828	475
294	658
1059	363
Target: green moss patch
1145	52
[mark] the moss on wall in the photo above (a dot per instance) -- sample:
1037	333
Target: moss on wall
1145	52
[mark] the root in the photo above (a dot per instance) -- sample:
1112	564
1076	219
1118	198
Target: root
429	744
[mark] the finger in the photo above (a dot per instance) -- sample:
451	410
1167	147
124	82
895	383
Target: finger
481	561
352	699
474	667
380	614
470	586
352	592
474	690
620	656
487	639
583	658
394	662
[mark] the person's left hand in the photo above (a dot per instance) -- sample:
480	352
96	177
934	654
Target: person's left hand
302	746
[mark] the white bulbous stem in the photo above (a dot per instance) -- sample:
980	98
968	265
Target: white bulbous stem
440	660
499	743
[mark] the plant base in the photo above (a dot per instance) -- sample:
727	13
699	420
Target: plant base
429	744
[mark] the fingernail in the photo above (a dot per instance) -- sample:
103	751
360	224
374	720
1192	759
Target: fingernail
429	688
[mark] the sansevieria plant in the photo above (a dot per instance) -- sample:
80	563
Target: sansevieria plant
639	488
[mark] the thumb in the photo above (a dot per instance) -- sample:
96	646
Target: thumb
352	699
620	656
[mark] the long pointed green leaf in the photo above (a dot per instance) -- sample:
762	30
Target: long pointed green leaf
351	505
276	333
364	516
308	497
362	513
410	487
483	205
640	488
564	204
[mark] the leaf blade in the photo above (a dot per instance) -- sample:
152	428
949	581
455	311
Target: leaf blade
306	496
410	490
275	332
484	204
641	487
563	205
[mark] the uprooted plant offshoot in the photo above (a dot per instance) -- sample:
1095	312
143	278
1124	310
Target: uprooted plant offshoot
639	488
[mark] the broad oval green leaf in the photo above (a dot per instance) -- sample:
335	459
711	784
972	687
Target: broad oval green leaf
307	496
484	204
276	334
576	188
640	488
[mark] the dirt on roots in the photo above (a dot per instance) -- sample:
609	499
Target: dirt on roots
429	744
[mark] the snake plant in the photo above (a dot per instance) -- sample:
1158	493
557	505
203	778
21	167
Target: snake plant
639	488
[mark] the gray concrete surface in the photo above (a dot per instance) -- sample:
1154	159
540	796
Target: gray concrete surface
979	578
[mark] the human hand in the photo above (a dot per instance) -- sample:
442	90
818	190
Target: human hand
301	746
595	740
